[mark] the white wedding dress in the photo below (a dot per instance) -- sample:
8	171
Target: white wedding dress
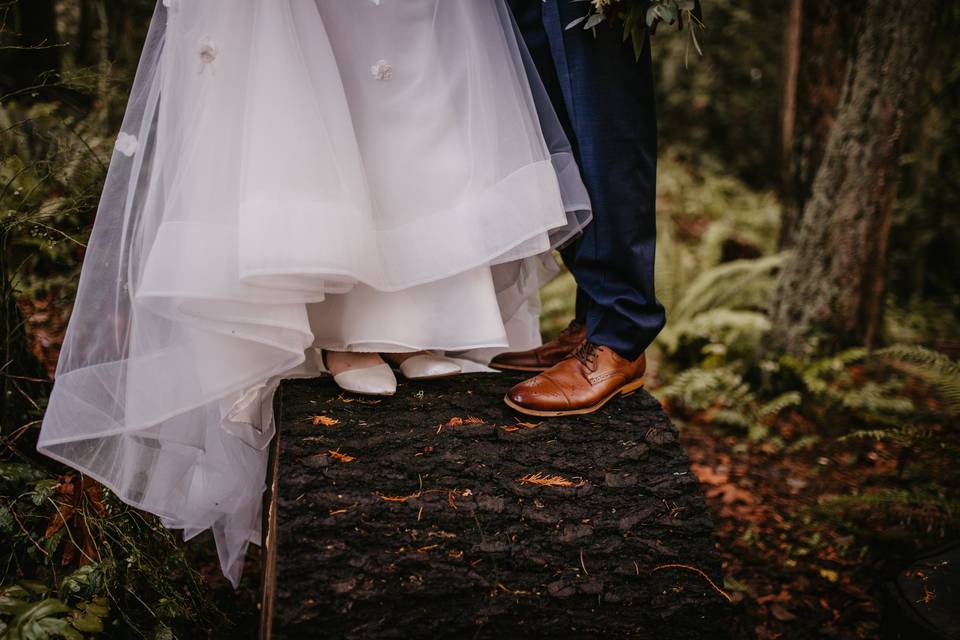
292	174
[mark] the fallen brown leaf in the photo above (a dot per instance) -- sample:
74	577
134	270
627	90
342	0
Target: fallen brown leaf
457	421
549	481
522	425
340	457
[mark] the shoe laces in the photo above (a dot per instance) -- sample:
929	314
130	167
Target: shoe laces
587	354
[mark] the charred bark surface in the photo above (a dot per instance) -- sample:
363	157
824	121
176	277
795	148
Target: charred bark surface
833	286
428	530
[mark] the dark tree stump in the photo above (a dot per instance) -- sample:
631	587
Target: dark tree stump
430	532
921	603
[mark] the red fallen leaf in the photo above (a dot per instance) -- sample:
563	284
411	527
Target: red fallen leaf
340	457
730	493
457	421
72	497
709	475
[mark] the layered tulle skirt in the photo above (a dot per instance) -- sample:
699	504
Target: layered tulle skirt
295	174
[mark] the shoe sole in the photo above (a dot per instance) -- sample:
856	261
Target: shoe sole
511	367
368	394
625	390
442	376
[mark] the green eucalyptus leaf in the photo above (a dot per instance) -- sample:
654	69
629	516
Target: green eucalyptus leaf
636	37
696	43
651	16
594	20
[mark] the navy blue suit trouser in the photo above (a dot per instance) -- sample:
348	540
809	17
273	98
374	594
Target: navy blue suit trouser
605	101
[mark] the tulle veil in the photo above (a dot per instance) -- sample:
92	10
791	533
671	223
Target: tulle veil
236	141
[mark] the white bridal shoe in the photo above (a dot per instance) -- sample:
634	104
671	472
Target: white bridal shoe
429	366
377	380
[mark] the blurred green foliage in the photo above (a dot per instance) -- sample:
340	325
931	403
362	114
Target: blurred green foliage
77	562
56	136
724	105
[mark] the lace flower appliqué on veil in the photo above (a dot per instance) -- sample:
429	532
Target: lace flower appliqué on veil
382	70
126	144
208	51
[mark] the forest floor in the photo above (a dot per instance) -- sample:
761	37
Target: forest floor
794	567
791	574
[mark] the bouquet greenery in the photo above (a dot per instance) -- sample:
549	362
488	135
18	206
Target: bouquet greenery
639	16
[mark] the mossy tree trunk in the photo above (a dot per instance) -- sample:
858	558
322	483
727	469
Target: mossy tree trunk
831	291
817	41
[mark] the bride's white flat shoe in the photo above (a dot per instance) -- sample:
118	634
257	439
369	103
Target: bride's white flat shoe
428	366
369	381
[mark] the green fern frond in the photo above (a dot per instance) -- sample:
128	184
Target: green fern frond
934	361
918	511
904	435
887	497
778	404
732	418
698	389
740	284
873	399
739	331
933	366
816	375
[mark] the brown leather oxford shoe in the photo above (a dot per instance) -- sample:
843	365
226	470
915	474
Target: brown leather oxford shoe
546	355
581	383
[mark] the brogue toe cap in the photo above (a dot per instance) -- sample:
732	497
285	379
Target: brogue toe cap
540	393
